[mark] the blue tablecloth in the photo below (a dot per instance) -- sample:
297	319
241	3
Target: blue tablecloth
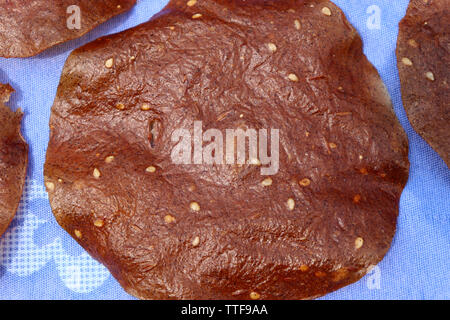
38	260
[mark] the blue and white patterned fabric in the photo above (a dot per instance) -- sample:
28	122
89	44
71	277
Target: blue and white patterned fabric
38	260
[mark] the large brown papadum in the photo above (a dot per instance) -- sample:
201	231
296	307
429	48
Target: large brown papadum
171	231
13	159
423	54
28	27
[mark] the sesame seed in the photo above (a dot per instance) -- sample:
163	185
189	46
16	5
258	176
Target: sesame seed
359	242
413	43
363	171
361	157
78	234
254	295
356	198
145	107
96	173
304	182
332	145
169	219
293	77
60	180
297	24
196	16
119	6
194	206
291	204
326	11
50	186
120	106
267	182
407	62
272	47
109	159
430	76
304	268
99	223
109	63
172	28
151	169
196	241
191	3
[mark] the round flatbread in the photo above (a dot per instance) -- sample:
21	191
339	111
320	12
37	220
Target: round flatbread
196	230
13	159
28	27
423	54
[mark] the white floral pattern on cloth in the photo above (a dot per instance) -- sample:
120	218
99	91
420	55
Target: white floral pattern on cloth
20	255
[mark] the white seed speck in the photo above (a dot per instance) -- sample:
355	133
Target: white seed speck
359	242
196	241
145	107
109	159
293	77
291	204
254	295
267	182
191	3
194	206
50	186
109	63
407	62
120	106
297	24
304	182
326	11
255	161
99	223
272	47
169	218
196	16
96	173
430	76
150	169
413	43
78	234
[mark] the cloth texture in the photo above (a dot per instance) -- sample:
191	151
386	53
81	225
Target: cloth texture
39	260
